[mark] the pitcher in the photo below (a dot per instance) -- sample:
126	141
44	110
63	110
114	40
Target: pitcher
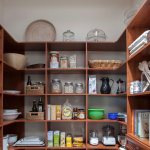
105	87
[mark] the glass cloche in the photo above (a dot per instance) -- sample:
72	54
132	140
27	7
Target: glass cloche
96	35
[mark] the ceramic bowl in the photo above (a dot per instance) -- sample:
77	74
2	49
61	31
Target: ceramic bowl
10	116
12	138
95	114
10	111
113	116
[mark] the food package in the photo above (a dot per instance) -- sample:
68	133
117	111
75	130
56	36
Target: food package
73	61
56	138
92	84
58	112
69	141
62	139
78	141
67	111
53	112
50	138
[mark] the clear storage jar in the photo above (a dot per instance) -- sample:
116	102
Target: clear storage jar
68	87
54	59
56	86
79	88
64	62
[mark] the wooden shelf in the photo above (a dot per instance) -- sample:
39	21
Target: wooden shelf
109	95
34	70
140	55
5	123
67	71
122	122
101	146
120	70
66	120
7	94
84	147
102	120
142	141
66	94
147	93
26	147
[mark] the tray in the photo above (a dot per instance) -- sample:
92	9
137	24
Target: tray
40	31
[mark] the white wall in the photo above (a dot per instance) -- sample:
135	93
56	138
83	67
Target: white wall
78	15
1	11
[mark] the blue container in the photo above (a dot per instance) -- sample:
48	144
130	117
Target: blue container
113	116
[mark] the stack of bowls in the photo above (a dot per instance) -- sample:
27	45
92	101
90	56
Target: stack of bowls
10	114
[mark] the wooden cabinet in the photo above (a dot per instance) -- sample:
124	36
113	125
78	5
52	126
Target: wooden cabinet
141	100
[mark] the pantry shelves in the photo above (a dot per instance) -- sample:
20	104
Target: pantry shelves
66	120
8	94
101	146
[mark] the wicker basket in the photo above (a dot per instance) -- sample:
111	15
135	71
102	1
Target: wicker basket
105	64
35	89
35	115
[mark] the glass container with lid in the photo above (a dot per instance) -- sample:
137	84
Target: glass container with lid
79	88
96	35
68	87
56	86
68	35
64	63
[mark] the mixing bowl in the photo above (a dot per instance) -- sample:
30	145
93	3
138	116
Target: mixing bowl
95	113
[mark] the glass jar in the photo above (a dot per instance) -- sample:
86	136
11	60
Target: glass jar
68	35
81	114
56	86
79	88
54	59
64	62
68	88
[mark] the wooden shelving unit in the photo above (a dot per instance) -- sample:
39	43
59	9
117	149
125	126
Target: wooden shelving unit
85	51
140	100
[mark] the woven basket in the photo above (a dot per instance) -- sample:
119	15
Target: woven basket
105	64
35	115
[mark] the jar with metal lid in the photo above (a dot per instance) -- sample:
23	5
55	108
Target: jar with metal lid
68	35
137	87
56	86
68	87
81	114
79	88
64	62
54	59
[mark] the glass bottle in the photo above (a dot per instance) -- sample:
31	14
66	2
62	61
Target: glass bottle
34	108
40	105
29	81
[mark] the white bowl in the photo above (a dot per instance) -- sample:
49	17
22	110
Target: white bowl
10	116
12	138
17	61
10	111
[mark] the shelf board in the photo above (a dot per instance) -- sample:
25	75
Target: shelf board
34	70
66	94
67	70
147	93
8	94
120	70
102	120
5	123
26	147
66	120
101	146
122	122
143	141
83	147
111	95
25	120
140	54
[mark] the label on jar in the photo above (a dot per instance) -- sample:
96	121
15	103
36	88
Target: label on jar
81	115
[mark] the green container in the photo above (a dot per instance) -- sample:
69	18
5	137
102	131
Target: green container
96	114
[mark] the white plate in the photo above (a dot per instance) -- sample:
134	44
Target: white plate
12	91
40	31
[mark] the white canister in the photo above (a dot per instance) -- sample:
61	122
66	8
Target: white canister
5	142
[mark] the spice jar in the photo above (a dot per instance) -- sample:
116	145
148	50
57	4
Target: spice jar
79	88
56	86
54	59
64	62
68	87
81	114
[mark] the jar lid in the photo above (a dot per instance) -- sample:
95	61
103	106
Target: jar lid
68	83
53	52
56	80
79	84
63	57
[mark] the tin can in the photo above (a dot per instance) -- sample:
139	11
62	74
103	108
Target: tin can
137	87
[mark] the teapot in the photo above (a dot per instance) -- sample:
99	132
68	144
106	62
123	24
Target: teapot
105	87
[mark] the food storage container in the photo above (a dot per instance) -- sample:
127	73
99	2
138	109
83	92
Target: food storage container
79	88
68	88
64	62
68	35
56	86
54	59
